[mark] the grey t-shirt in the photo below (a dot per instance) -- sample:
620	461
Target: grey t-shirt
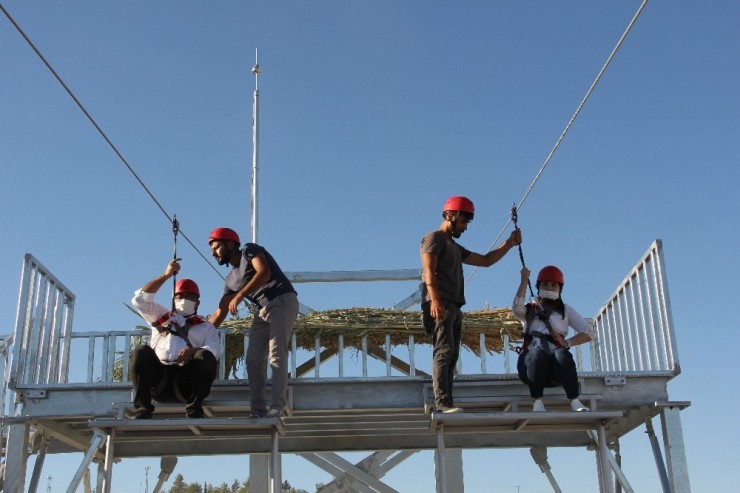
449	274
239	277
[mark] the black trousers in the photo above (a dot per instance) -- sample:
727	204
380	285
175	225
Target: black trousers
190	383
446	336
539	368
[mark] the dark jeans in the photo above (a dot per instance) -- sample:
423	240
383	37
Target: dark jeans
539	368
446	335
190	383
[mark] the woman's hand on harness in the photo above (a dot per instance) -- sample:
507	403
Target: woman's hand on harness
559	340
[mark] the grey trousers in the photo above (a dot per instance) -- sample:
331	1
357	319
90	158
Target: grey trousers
270	334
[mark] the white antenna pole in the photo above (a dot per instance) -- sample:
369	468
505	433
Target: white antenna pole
256	70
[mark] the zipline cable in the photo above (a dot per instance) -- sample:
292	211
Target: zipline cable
100	131
567	127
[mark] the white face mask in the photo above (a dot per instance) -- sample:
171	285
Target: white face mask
184	307
549	295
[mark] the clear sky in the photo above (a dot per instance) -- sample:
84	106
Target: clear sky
372	113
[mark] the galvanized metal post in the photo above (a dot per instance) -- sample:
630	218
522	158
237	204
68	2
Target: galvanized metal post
678	471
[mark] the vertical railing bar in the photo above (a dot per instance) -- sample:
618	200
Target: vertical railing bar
22	316
341	355
482	345
317	356
90	358
113	342
55	342
611	350
293	355
506	342
388	367
245	335
412	356
623	359
45	329
665	305
645	338
125	356
106	355
66	340
634	333
37	323
364	356
651	300
222	359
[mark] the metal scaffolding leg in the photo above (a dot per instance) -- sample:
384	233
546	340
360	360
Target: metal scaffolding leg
259	477
659	464
441	466
603	454
678	470
39	464
166	466
96	442
276	481
449	472
539	454
346	478
110	443
16	457
621	479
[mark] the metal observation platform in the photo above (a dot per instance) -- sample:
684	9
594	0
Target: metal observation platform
623	377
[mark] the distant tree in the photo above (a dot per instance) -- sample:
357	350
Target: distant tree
194	488
178	485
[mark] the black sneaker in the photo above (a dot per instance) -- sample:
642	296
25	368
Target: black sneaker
143	414
256	415
275	413
194	413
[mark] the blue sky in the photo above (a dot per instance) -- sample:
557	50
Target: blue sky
372	113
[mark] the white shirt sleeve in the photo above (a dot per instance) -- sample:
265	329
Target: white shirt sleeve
578	323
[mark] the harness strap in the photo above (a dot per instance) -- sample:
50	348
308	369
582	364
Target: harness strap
174	328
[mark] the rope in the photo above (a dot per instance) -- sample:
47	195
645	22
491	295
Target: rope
102	134
514	218
567	127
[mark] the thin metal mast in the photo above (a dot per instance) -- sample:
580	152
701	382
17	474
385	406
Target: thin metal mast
256	70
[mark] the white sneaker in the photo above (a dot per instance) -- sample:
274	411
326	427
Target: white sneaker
449	409
538	406
578	406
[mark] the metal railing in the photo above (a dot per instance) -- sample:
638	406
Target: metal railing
43	327
635	326
634	333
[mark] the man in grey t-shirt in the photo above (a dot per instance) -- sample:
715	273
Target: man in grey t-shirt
256	276
443	292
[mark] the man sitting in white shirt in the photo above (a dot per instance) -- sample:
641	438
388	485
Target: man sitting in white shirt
181	360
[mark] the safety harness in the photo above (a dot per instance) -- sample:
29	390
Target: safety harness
536	310
166	324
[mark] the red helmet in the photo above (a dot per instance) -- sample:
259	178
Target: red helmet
223	234
551	274
187	286
459	203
